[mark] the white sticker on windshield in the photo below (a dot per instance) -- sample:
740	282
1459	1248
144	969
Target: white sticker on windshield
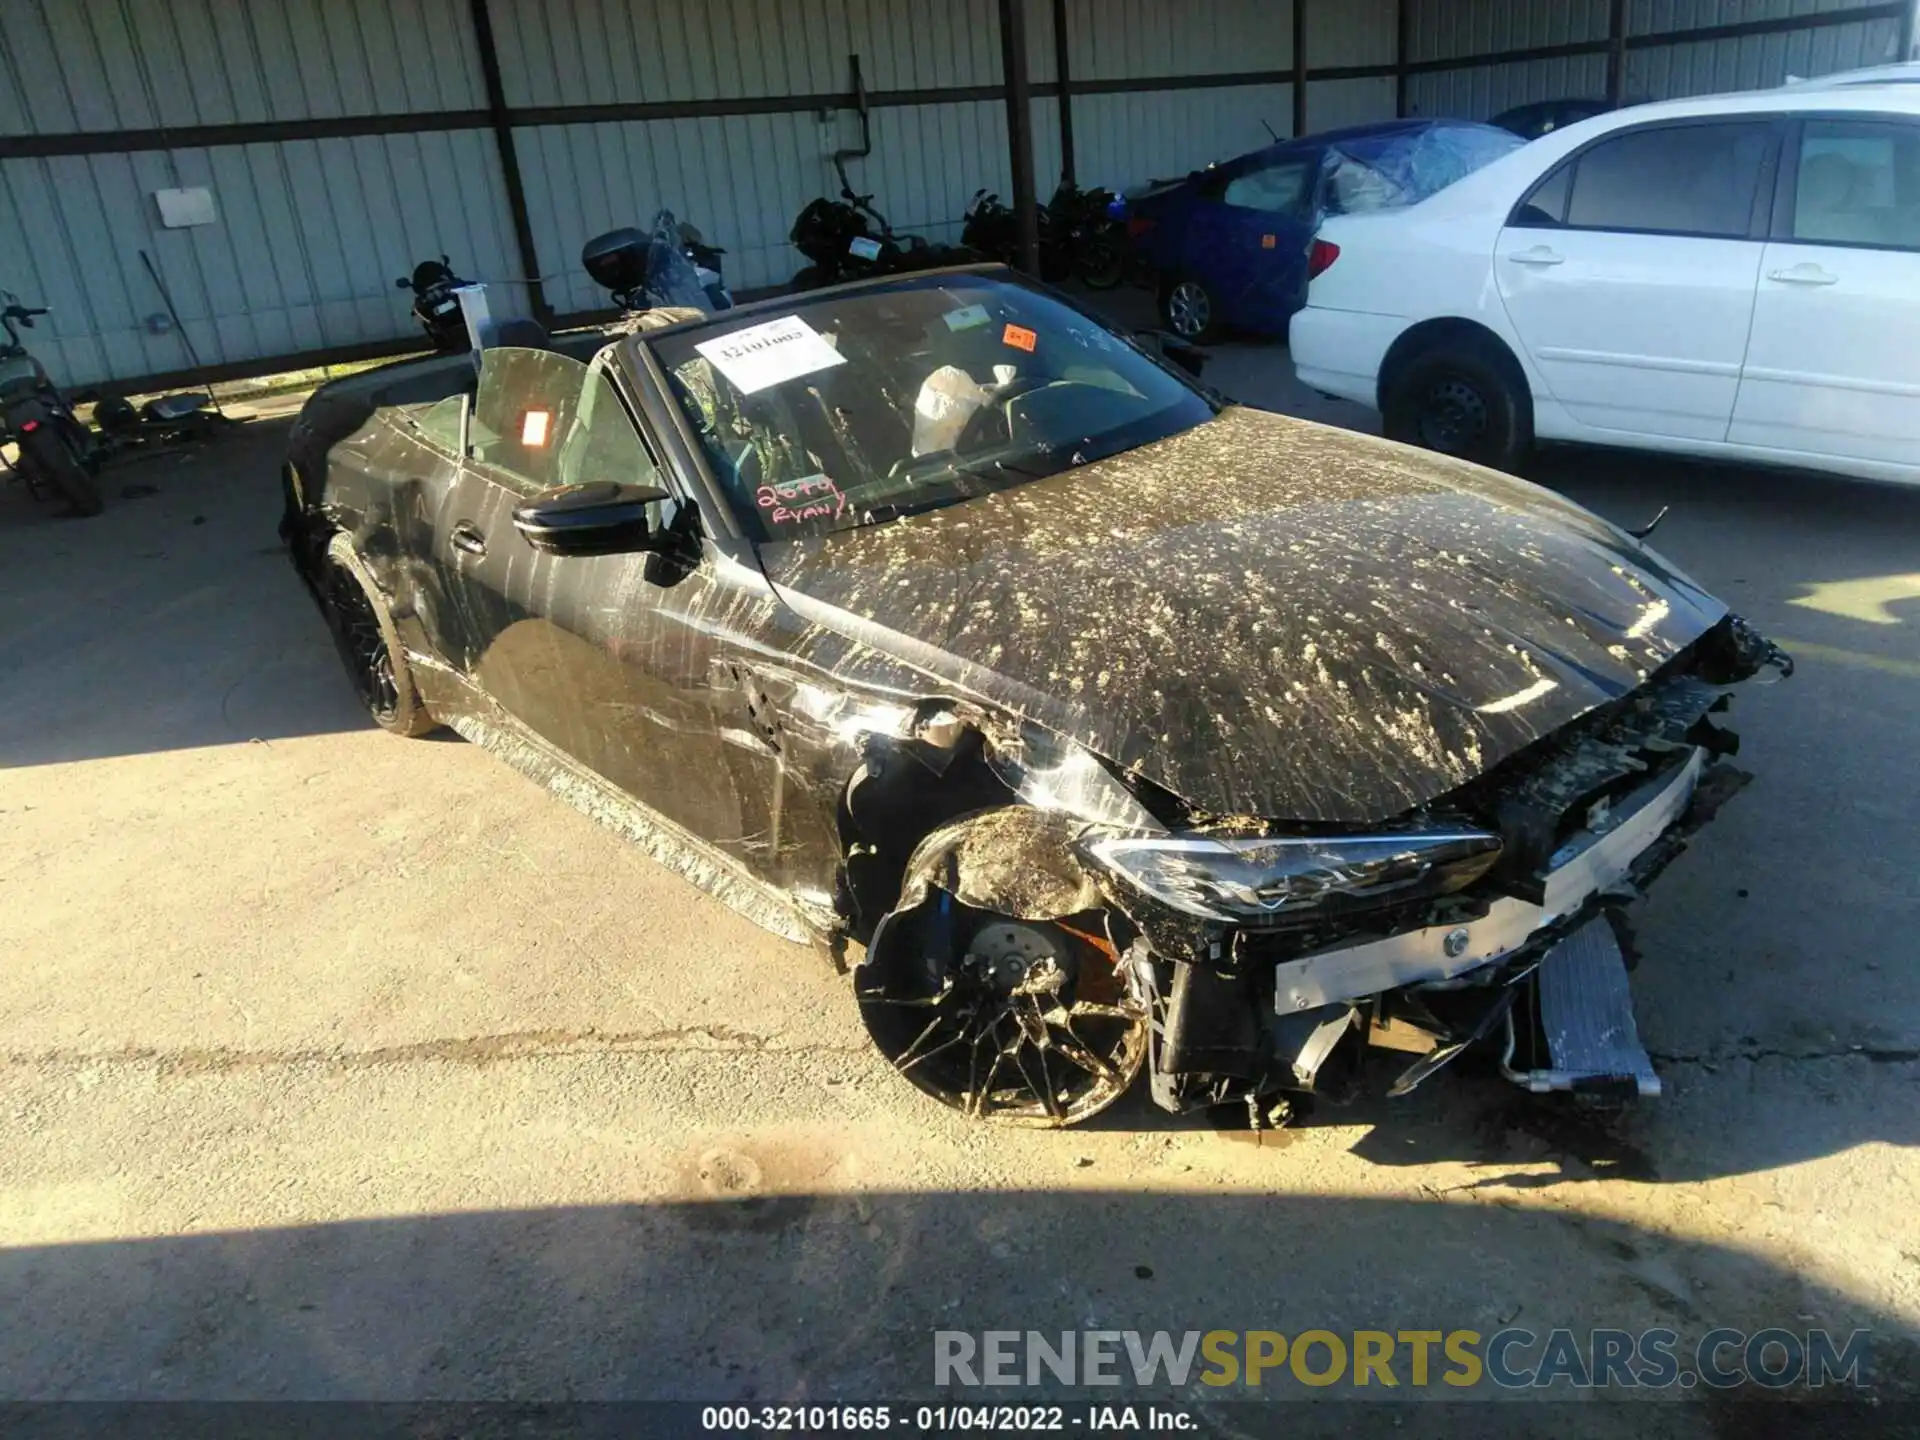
764	355
967	317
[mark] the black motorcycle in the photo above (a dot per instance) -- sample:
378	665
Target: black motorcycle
848	239
1088	226
991	230
1080	235
435	305
56	452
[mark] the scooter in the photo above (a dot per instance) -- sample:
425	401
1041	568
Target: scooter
56	452
435	305
671	265
162	420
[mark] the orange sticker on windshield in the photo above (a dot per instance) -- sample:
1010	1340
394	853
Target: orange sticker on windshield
1019	337
1267	242
533	427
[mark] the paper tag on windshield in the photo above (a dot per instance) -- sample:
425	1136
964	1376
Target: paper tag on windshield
967	317
533	427
764	355
865	248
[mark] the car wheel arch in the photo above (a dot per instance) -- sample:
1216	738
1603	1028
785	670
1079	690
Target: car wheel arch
1448	332
1001	938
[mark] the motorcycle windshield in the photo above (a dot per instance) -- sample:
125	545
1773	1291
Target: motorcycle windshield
672	279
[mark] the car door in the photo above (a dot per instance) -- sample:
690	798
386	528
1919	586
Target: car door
1269	213
1629	273
1831	367
1245	238
605	658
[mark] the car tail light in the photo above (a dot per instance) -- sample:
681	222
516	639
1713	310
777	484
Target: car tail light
1322	254
1138	225
27	427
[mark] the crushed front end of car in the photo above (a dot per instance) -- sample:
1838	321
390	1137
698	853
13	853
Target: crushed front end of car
1044	951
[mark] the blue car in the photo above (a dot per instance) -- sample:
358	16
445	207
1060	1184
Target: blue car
1229	246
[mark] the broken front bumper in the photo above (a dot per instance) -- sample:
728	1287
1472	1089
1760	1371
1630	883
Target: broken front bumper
1549	971
1590	865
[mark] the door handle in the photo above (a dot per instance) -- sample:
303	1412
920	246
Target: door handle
1803	274
467	537
1538	255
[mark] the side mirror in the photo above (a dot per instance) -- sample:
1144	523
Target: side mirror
597	518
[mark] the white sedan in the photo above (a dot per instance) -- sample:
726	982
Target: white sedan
1734	276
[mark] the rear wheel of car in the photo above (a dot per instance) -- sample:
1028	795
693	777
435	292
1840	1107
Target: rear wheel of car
370	646
1464	399
1188	310
50	456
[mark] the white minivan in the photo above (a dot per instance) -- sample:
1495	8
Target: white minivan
1733	276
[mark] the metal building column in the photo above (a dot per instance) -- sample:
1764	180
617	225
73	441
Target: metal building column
1616	51
1013	43
502	125
1402	50
1063	80
1299	67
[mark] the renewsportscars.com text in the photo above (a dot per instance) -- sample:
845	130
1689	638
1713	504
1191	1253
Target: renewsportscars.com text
1513	1358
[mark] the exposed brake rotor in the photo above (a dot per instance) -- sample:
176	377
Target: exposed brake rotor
1020	1021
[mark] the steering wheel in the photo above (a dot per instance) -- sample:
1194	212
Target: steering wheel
1002	398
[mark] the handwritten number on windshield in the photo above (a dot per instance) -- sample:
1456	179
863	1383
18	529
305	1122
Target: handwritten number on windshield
811	497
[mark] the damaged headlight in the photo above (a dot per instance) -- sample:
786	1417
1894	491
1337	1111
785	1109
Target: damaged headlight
1250	881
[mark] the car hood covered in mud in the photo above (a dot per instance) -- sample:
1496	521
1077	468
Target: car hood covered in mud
1264	616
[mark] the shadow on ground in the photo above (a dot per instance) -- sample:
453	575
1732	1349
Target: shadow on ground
172	621
748	1294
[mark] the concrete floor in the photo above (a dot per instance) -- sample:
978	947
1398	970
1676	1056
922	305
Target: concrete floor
342	1066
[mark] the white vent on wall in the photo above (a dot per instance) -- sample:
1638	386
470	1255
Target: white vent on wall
178	208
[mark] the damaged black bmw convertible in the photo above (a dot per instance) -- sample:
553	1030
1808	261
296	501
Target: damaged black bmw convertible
1112	726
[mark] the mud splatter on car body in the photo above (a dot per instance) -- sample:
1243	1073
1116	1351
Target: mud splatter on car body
1086	759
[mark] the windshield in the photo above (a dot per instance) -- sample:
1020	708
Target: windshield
856	409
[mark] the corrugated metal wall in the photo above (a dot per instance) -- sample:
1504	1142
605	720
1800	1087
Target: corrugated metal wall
1343	33
1449	29
312	227
310	233
742	178
1123	135
1707	67
1656	68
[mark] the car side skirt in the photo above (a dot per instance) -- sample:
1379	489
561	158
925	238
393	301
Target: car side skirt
477	719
